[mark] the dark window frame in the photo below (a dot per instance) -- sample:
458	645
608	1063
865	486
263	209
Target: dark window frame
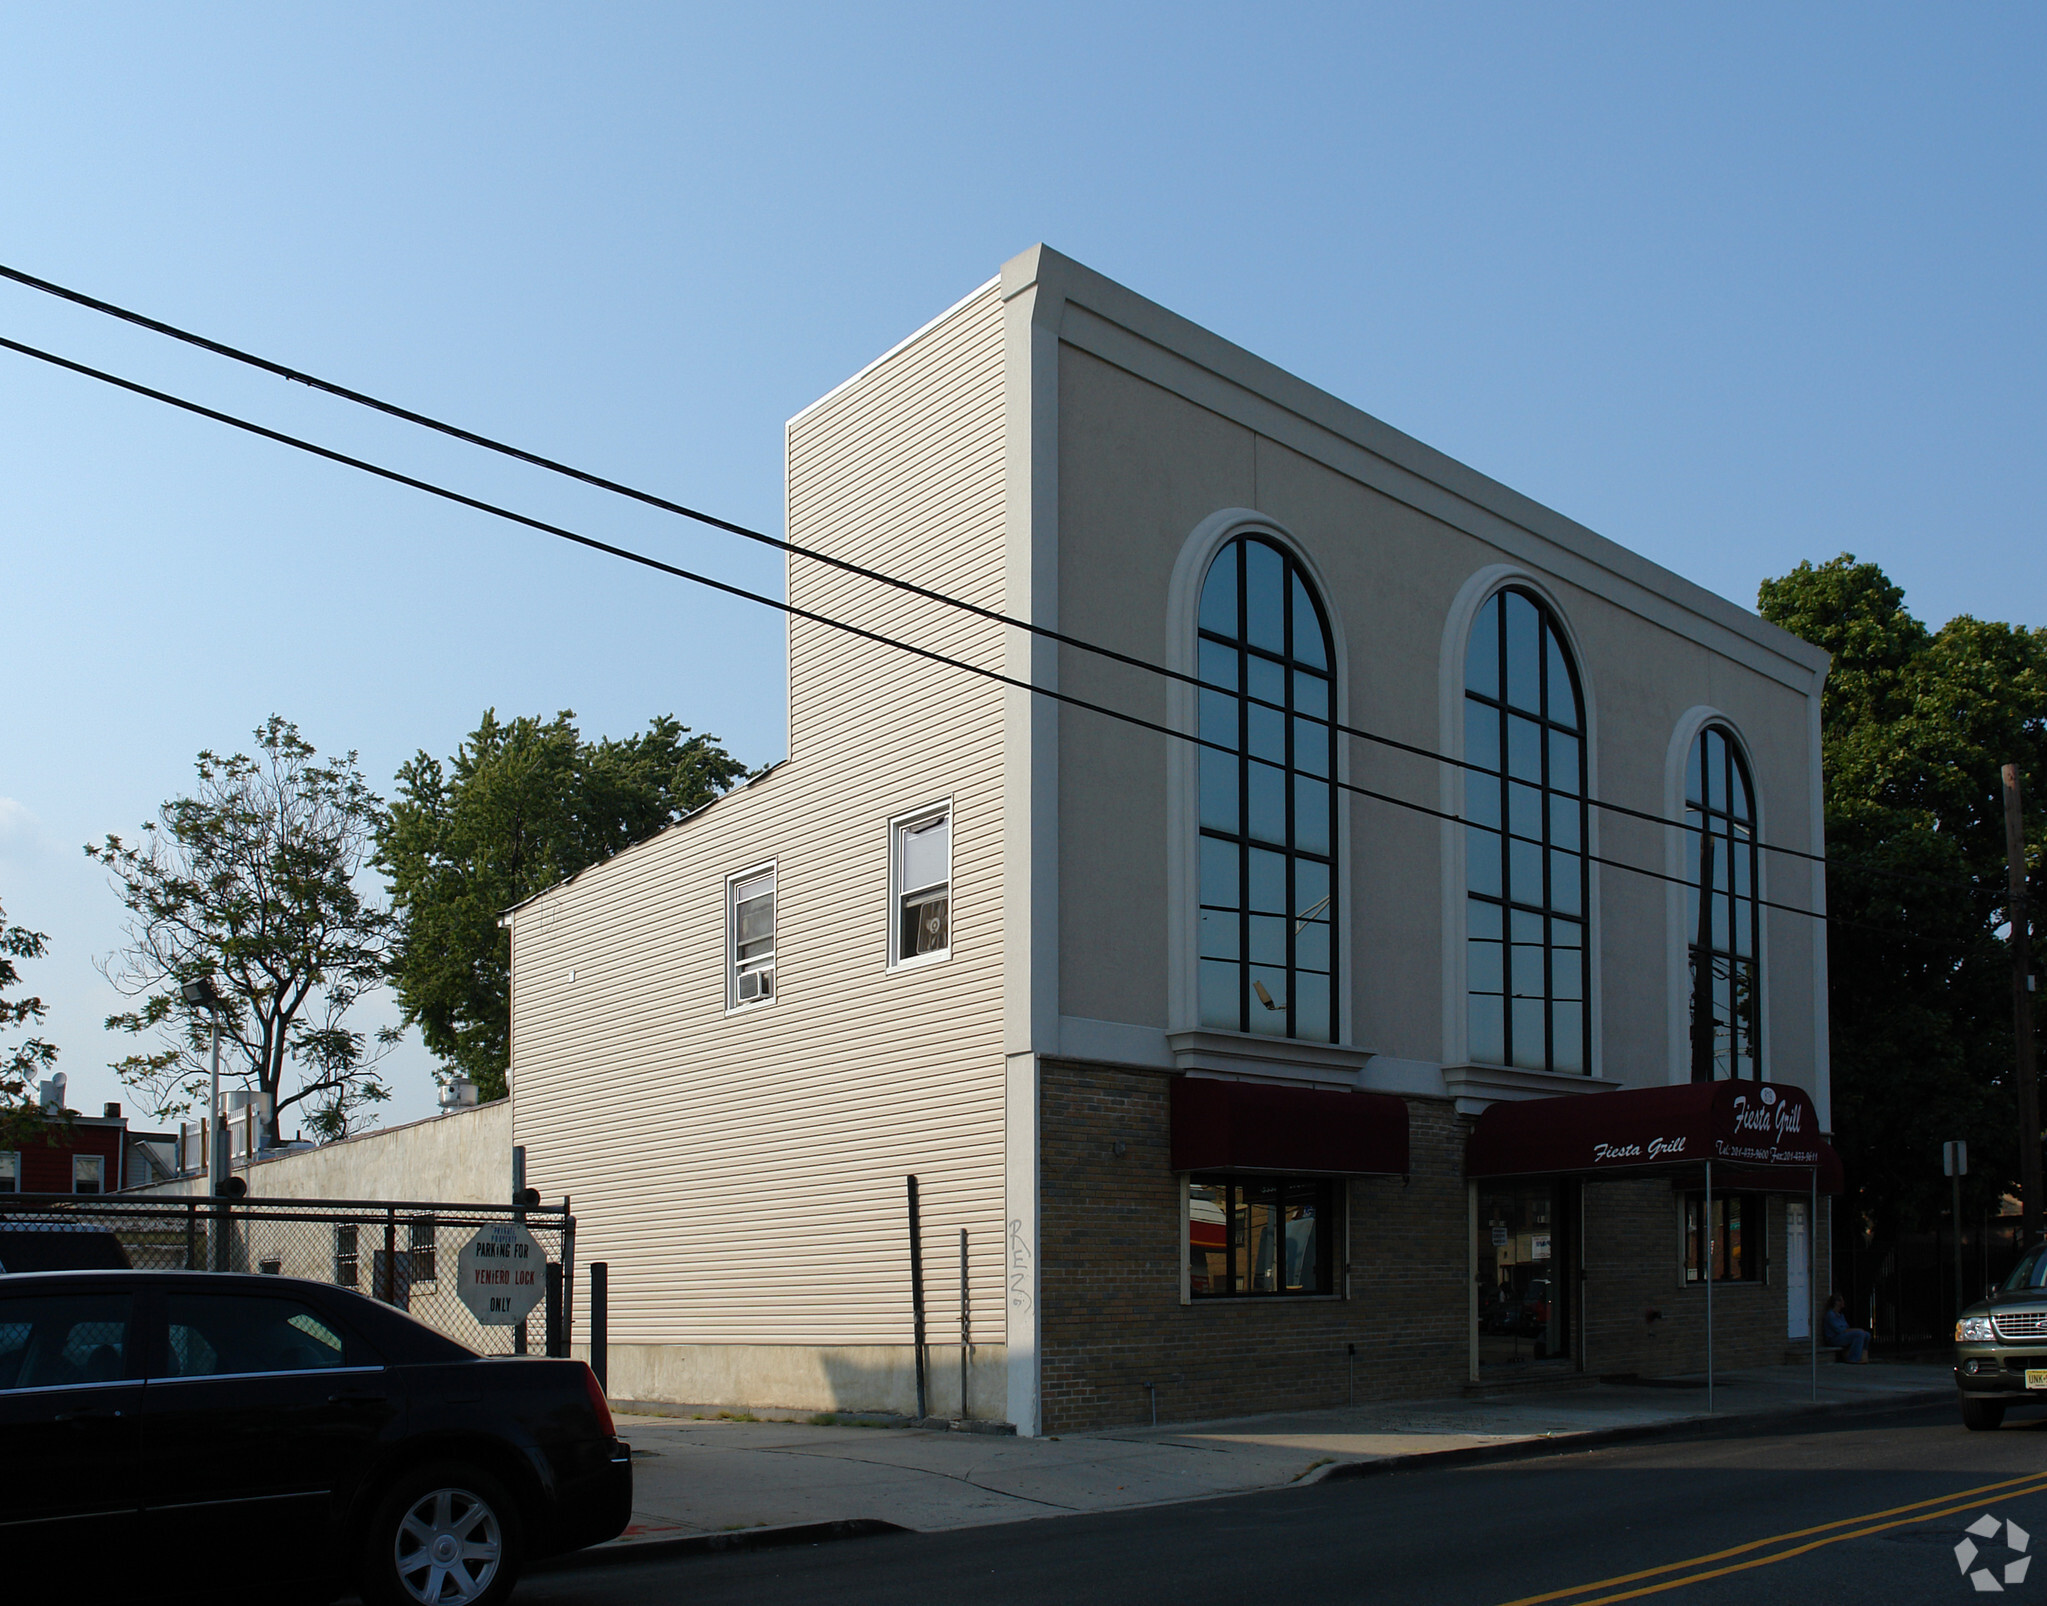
1296	723
1752	1215
1328	1194
1724	1043
347	1254
1490	809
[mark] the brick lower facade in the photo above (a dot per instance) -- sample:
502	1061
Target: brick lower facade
1634	1236
1113	1320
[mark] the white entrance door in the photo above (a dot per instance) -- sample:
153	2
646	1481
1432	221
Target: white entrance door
1798	1268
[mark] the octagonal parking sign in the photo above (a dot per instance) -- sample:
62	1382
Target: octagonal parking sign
502	1274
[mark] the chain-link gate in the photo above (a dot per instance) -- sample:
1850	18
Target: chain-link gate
404	1254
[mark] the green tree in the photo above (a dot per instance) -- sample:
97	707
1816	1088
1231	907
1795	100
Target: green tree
21	1063
1916	726
252	880
521	805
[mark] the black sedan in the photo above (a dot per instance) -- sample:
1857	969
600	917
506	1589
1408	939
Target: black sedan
191	1432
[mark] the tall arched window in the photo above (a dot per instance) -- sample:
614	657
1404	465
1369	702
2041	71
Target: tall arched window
1269	892
1722	926
1525	912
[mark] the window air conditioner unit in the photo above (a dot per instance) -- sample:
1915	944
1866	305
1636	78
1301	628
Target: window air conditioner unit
756	984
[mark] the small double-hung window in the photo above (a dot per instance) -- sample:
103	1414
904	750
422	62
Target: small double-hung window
750	941
920	890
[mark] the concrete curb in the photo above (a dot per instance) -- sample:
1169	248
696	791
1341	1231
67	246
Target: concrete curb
965	1424
1597	1438
616	1553
612	1553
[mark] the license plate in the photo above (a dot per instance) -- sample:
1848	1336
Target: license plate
2036	1377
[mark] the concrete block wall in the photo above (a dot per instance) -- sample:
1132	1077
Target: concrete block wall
1110	1275
461	1156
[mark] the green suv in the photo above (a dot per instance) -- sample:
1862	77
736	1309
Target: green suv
2001	1345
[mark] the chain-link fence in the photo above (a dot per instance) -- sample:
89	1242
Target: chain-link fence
404	1254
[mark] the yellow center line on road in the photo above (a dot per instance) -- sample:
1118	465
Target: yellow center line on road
2008	1489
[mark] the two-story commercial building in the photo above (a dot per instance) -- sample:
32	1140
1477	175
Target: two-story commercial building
1431	812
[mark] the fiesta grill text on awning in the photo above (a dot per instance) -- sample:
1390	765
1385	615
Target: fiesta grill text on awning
1257	1126
1759	1135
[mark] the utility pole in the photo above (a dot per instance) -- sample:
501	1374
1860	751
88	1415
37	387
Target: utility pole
1704	1026
2025	1057
1954	1159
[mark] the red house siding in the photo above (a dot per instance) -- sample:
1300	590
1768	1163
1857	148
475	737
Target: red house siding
46	1167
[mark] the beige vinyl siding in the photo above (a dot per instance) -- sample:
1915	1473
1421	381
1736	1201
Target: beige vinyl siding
743	1174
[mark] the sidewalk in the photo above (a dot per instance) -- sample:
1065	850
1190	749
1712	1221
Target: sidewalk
698	1478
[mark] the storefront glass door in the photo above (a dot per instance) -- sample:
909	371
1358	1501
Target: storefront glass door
1523	1253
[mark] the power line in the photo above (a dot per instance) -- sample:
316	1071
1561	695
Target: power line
462	499
648	498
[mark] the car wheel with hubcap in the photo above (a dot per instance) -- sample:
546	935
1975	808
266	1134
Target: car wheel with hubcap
1979	1416
445	1535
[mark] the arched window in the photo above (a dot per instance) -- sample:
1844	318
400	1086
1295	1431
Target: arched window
1525	910
1722	926
1269	893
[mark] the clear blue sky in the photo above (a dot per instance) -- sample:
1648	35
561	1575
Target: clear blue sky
1734	285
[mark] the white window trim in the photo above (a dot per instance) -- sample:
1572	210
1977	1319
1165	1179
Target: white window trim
734	1005
14	1173
929	811
100	1158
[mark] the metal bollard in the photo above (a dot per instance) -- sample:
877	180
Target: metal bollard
600	1322
556	1348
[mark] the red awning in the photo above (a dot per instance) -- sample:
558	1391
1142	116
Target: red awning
1758	1135
1256	1126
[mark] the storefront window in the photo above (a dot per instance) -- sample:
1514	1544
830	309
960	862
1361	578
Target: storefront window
1521	1283
1248	1236
1737	1236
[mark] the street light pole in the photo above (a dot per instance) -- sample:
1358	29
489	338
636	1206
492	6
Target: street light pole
200	994
217	1161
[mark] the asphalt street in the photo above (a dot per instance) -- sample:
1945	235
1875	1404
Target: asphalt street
1865	1510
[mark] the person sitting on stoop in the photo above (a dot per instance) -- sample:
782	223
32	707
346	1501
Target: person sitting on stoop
1846	1342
